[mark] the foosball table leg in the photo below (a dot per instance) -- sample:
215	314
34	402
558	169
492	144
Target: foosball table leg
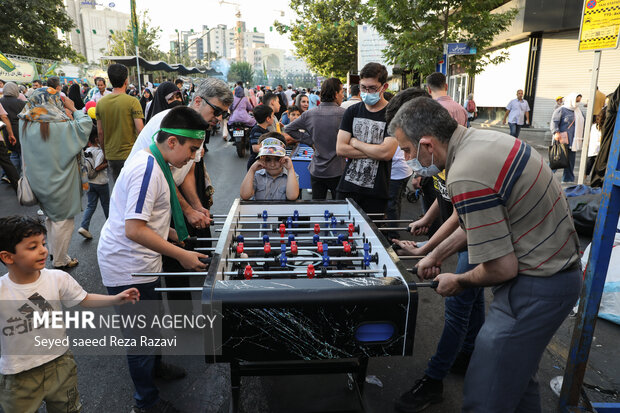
235	386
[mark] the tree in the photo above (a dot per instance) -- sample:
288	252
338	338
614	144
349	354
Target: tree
30	27
241	71
417	30
121	42
325	34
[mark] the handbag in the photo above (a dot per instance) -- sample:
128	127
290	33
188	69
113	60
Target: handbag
558	156
25	196
563	136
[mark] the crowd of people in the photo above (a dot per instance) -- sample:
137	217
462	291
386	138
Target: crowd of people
491	200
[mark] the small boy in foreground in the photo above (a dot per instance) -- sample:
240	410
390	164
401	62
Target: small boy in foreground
27	377
272	177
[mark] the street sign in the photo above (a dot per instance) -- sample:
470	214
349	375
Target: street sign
441	65
600	24
461	48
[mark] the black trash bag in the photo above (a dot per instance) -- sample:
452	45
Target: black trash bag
558	155
585	209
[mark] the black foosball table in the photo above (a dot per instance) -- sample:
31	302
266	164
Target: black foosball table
305	288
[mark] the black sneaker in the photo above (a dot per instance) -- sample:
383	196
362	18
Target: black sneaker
161	406
425	392
461	363
168	372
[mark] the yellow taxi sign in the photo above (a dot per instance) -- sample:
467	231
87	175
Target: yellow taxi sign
600	25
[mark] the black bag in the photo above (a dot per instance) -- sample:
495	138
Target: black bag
558	156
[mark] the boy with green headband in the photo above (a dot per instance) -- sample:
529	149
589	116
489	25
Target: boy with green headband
134	237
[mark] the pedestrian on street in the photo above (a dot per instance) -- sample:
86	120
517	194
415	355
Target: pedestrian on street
508	203
363	139
50	143
319	128
438	89
98	189
354	99
13	106
119	120
517	113
470	107
568	127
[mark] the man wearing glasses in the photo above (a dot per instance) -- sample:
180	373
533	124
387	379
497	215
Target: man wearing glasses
362	139
211	100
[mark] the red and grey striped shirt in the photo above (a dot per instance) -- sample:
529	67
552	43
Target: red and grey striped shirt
509	201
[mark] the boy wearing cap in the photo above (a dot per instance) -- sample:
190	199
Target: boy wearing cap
272	177
134	237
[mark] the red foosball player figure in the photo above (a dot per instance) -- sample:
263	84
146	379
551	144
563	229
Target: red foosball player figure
267	248
240	248
319	247
310	271
346	247
248	272
294	247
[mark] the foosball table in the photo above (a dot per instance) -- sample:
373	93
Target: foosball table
306	288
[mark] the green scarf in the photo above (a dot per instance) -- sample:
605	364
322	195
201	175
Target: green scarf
175	205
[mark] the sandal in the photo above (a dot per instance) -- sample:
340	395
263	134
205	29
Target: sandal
73	263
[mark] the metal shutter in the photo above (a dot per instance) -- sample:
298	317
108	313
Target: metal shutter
564	70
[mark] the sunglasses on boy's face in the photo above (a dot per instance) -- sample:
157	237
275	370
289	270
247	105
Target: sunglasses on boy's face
217	111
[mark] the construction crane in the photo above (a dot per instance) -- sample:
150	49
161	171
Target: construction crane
239	29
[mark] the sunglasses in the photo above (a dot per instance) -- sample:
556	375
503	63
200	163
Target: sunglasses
217	111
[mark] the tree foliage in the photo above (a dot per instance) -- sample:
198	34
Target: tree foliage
121	42
30	27
417	30
325	34
241	71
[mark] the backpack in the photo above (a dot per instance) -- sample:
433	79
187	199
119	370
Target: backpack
89	166
471	106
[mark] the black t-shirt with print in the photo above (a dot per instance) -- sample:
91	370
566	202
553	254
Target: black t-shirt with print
366	176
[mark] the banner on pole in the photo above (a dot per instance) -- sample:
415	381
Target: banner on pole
51	70
6	64
134	22
600	25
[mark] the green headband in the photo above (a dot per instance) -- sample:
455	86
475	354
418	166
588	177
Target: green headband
187	133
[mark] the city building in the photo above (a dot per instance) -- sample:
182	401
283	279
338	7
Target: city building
94	28
180	37
543	60
268	59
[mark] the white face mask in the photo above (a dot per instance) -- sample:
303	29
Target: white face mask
426	171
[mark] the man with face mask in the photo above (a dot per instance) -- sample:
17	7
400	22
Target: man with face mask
515	221
464	313
362	139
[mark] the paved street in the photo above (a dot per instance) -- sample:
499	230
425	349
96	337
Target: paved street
105	385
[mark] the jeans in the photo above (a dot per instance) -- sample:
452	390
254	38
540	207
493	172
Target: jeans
396	191
464	316
140	366
9	168
96	191
16	160
115	168
514	129
569	174
321	185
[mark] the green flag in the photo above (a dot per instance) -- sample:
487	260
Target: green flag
6	64
50	71
134	22
36	72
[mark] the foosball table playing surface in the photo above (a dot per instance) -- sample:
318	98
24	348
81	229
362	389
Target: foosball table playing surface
306	288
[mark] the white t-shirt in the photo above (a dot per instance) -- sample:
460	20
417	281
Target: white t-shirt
289	96
97	156
400	169
17	304
145	139
141	192
595	141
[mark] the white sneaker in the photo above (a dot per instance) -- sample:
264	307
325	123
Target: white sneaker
85	233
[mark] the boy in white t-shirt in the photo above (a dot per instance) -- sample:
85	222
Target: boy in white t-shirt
137	231
28	374
97	186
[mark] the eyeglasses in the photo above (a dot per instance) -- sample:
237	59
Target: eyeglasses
217	111
372	89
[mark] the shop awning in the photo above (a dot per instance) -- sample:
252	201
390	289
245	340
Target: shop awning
160	65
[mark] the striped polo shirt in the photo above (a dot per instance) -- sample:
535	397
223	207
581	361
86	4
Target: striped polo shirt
508	201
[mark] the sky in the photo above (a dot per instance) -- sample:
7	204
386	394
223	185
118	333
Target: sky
193	14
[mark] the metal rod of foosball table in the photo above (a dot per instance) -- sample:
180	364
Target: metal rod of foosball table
394	229
259	216
383	221
295	259
275	248
168	274
275	240
275	230
305	273
177	289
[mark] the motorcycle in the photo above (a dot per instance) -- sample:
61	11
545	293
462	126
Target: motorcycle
240	132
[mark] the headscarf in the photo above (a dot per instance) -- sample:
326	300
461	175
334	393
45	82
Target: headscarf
44	105
11	89
144	100
570	103
75	96
239	93
252	98
159	102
